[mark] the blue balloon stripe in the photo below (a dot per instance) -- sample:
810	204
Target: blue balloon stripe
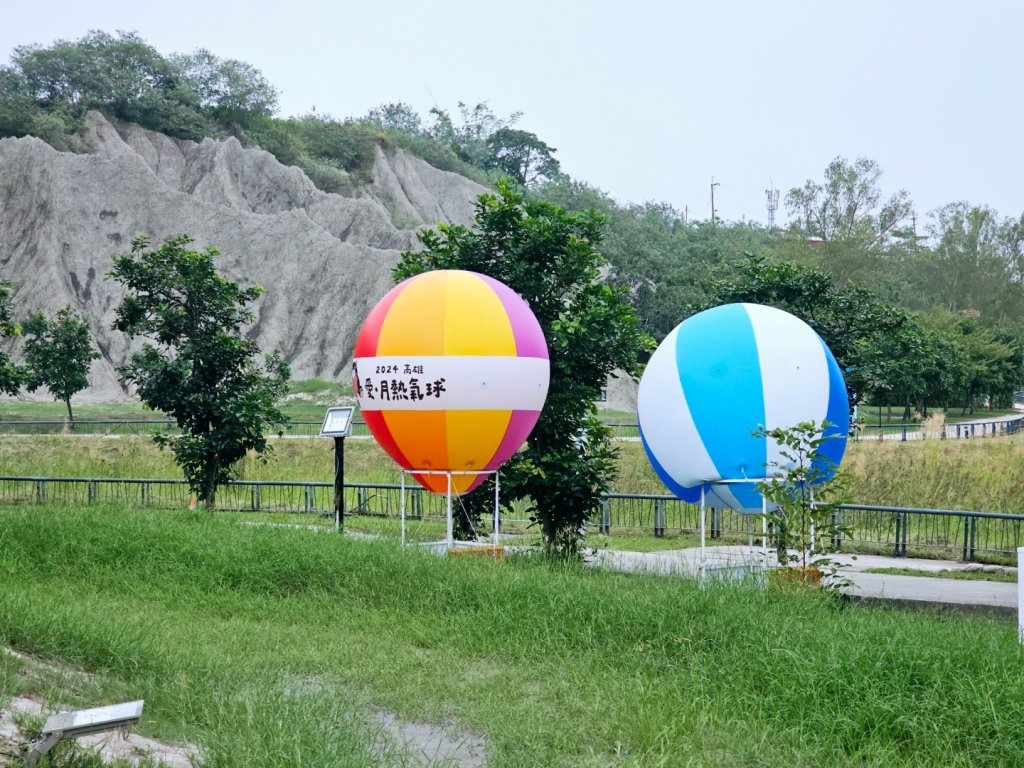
837	415
747	495
724	391
674	487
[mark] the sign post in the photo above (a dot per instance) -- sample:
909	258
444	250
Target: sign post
338	424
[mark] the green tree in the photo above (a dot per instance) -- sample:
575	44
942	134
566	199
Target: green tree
975	264
986	364
230	90
856	230
522	156
848	205
468	139
877	346
59	351
550	258
804	492
122	75
12	375
201	370
395	116
660	258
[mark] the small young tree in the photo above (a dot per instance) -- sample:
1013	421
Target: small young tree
12	375
804	494
58	351
550	258
201	371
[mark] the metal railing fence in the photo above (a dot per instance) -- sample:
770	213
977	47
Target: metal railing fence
964	430
900	531
106	427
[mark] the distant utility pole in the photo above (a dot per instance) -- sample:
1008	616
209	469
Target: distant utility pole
713	185
772	195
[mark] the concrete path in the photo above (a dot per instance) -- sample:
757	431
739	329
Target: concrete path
999	597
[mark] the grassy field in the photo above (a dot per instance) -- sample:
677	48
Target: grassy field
271	646
306	401
1010	578
981	475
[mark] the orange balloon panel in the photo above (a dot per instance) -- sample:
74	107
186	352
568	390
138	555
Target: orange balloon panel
450	372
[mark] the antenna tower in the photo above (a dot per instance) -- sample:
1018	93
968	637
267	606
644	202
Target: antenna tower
772	197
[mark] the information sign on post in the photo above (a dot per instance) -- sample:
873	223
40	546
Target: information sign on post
338	424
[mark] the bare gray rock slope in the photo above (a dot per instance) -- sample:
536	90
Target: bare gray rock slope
324	259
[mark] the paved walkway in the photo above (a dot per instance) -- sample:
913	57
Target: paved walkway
999	597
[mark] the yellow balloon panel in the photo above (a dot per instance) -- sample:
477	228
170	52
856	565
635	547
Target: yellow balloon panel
475	321
474	437
415	323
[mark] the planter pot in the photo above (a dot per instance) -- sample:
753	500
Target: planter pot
808	577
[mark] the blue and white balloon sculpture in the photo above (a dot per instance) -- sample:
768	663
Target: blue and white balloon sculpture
716	378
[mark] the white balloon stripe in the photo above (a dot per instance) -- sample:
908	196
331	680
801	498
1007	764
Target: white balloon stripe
666	421
794	371
724	495
451	383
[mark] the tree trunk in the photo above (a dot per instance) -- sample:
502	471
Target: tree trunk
550	534
210	492
71	416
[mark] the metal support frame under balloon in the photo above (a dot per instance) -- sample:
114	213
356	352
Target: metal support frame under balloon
450	528
764	520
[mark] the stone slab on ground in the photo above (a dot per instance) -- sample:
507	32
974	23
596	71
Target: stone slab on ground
111	745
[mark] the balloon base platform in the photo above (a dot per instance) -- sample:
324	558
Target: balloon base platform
464	548
733	572
497	553
449	545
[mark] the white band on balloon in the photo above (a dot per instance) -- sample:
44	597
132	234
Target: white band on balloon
450	383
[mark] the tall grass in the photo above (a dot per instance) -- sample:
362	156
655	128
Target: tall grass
269	645
983	474
137	456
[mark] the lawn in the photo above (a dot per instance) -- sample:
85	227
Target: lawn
1010	578
306	401
270	646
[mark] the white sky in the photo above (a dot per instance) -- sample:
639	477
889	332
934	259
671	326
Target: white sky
646	100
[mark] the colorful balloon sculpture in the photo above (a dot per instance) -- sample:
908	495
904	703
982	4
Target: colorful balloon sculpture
450	372
715	379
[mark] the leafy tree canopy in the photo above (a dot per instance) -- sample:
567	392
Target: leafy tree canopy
522	156
46	90
58	351
848	205
201	370
12	375
550	258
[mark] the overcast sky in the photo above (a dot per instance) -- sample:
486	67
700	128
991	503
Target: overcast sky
646	100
